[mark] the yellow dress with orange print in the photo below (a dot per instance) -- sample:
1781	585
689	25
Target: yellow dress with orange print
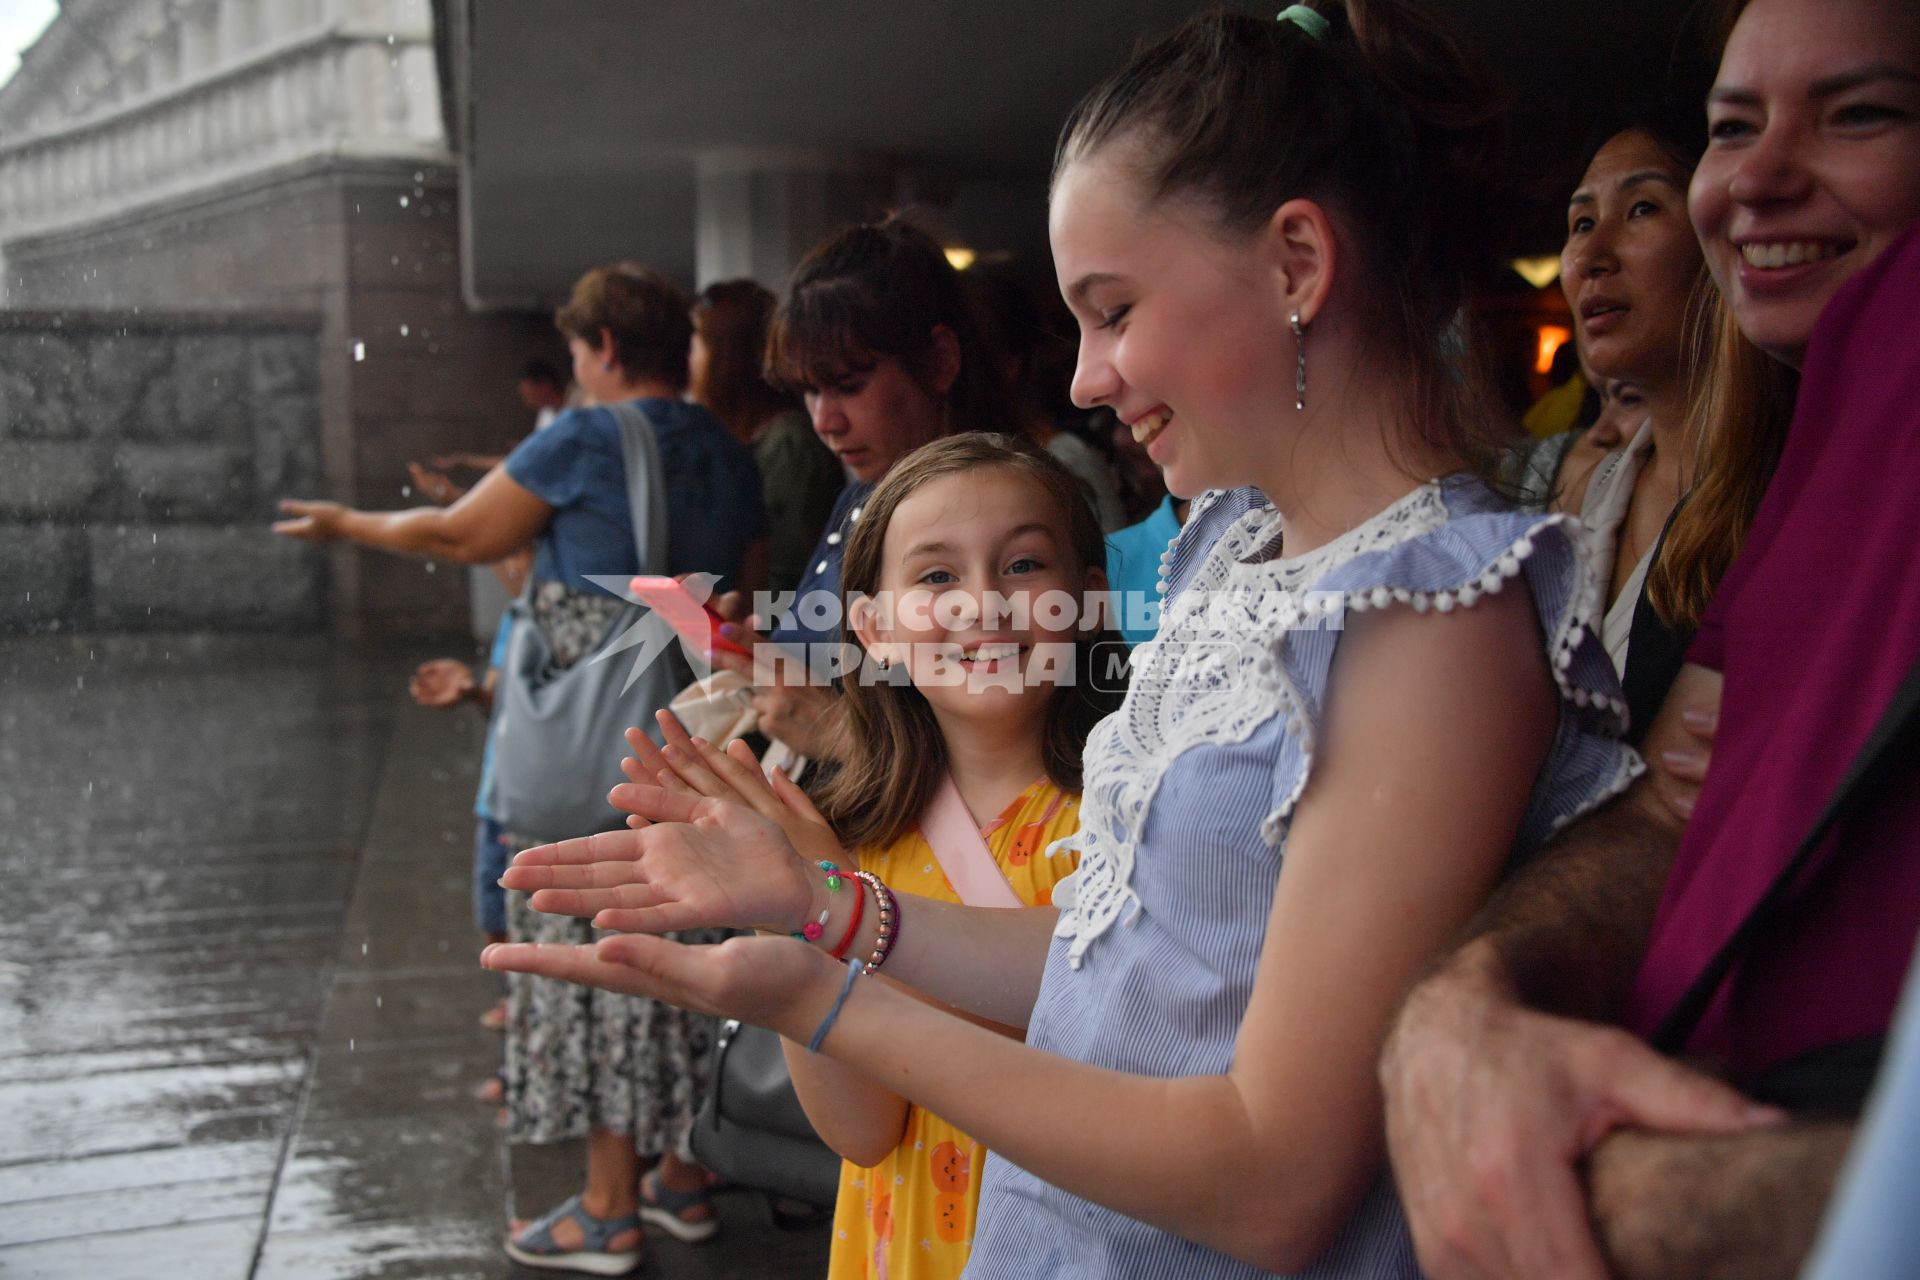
911	1216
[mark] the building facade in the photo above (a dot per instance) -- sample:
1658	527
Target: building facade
283	157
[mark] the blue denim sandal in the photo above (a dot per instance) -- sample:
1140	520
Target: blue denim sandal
536	1247
663	1207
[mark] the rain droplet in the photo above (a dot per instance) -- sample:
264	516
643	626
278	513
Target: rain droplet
404	331
378	1001
405	201
359	351
406	491
431	566
363	948
349	1044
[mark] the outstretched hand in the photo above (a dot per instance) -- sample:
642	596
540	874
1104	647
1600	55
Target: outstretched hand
699	863
309	521
434	486
694	766
774	982
443	682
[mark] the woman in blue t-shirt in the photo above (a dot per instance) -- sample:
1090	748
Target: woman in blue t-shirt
625	1074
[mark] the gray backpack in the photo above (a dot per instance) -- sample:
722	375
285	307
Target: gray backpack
557	732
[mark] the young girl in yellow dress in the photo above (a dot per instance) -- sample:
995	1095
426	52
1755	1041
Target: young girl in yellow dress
1002	705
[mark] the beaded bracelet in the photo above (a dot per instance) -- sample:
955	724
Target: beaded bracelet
811	931
889	908
833	1014
853	926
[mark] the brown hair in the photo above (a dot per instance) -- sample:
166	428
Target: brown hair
1386	120
1740	405
892	749
1737	418
731	319
643	311
879	290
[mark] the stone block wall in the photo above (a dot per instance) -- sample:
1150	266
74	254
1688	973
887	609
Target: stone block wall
140	459
405	370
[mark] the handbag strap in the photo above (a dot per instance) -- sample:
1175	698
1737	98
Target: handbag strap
646	486
1878	756
962	851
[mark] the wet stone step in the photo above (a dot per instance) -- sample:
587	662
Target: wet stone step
54	1218
126	1111
217	1250
132	1170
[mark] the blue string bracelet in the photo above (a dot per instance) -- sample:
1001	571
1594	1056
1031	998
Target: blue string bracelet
855	967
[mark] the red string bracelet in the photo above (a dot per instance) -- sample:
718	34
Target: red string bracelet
853	926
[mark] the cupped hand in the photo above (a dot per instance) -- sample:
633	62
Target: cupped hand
309	521
702	863
434	486
773	982
694	765
443	682
1491	1109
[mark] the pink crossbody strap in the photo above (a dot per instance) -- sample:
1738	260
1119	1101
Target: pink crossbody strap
962	851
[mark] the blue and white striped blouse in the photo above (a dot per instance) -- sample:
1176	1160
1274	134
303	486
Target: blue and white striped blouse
1189	791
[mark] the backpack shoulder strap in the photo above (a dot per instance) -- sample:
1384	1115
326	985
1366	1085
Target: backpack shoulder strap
646	486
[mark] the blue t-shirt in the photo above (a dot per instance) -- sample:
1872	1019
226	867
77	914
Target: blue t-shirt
1133	571
576	466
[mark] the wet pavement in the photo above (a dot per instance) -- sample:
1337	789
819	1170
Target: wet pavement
238	998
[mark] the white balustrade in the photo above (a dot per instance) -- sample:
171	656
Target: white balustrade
344	88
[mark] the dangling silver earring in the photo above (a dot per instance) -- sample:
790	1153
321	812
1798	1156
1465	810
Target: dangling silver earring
1300	375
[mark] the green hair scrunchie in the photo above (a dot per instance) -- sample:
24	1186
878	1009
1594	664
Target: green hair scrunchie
1307	20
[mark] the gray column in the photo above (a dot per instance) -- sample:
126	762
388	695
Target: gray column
757	213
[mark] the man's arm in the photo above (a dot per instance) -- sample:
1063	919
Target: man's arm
1728	1207
1568	930
1492	1103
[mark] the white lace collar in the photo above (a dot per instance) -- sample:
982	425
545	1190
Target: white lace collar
1209	676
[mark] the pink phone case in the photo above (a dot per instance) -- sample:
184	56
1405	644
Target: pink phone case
697	624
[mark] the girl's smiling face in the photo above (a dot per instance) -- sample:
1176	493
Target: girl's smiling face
1813	158
981	594
1183	332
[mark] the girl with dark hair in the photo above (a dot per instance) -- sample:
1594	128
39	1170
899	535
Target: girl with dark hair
799	478
1002	707
1328	754
881	343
